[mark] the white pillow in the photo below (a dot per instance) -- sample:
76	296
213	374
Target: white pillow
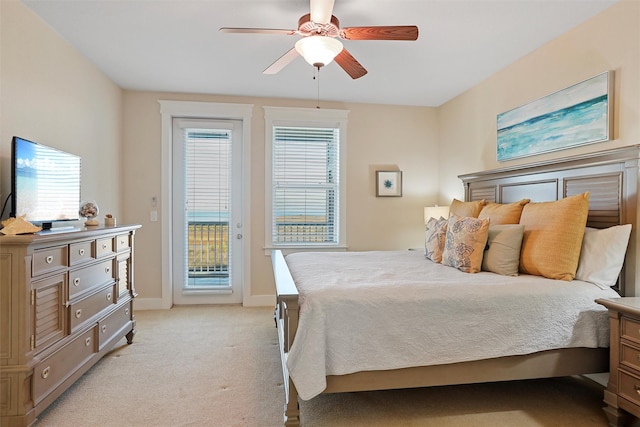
602	254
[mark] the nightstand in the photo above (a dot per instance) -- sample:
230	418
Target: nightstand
622	395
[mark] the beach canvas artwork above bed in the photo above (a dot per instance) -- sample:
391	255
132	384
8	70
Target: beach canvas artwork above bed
577	115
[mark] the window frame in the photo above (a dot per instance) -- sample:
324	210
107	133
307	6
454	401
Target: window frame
305	117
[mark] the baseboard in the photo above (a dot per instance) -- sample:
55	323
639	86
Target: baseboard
160	304
602	379
149	304
259	301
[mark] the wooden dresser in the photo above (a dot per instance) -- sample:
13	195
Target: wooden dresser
622	395
66	299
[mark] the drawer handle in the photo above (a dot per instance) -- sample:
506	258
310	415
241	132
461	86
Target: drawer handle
126	311
81	252
122	242
107	269
45	372
49	259
104	328
104	246
78	313
76	281
637	388
109	296
87	341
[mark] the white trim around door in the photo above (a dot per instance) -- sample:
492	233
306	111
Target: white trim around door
192	109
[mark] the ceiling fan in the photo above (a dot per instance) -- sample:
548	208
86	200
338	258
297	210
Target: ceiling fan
319	45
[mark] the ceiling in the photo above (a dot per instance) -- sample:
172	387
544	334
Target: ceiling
175	46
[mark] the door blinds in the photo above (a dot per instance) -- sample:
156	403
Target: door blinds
207	154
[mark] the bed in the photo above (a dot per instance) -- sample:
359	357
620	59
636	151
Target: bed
334	326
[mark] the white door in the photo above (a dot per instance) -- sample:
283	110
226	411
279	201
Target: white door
207	211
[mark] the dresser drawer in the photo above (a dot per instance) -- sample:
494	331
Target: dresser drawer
87	278
122	242
49	373
112	324
630	357
81	252
49	259
85	309
630	329
104	247
629	387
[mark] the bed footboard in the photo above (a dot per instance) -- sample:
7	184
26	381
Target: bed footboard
287	323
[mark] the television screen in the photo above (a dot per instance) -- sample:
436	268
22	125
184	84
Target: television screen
46	183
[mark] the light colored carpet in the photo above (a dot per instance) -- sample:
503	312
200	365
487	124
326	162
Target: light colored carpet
220	366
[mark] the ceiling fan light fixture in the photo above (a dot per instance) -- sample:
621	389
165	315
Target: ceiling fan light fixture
318	50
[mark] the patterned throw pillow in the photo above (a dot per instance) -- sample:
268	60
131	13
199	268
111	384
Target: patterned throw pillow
470	209
435	234
465	243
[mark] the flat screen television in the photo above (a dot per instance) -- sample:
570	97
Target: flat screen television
45	183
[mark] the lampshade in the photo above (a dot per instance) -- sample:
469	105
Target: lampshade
318	50
435	212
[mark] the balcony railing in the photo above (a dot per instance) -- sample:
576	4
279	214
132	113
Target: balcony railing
304	232
208	254
208	243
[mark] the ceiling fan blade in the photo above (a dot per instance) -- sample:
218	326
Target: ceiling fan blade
257	31
282	62
321	11
392	32
350	64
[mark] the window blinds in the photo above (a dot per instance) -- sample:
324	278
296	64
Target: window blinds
208	159
305	185
207	156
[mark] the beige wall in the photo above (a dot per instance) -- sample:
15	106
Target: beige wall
51	94
609	41
379	137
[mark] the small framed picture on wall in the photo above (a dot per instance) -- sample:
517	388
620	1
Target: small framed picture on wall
388	183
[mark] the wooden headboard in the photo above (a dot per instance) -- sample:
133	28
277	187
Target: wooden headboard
610	176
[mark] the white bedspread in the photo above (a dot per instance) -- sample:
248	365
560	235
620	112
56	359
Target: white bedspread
362	311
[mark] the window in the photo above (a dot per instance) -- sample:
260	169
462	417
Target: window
305	178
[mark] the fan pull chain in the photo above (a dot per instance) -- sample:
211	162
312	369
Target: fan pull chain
318	73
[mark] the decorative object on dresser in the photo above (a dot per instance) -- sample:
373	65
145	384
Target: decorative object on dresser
66	299
622	395
18	225
109	220
89	211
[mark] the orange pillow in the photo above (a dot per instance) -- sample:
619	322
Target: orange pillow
507	213
468	209
553	233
